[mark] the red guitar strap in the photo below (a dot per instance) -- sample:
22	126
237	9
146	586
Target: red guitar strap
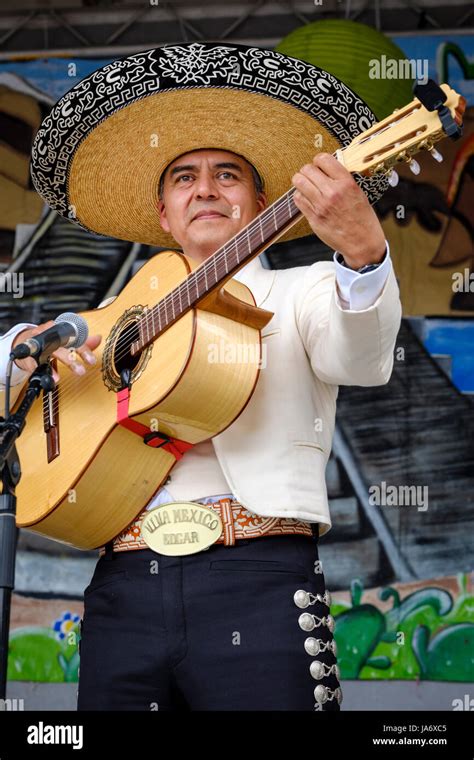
157	440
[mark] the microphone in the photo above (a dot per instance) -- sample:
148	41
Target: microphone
70	331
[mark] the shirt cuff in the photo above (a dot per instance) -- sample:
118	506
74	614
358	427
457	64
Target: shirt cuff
358	291
6	342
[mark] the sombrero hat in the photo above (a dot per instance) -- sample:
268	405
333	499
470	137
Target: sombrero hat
98	156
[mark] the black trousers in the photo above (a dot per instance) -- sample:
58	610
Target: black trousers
216	630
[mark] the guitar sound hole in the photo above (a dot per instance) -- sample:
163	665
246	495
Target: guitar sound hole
122	357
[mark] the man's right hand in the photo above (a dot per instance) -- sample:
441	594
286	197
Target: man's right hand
71	357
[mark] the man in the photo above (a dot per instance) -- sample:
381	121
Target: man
246	623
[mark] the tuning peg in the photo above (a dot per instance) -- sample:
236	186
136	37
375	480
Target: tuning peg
414	166
393	178
436	155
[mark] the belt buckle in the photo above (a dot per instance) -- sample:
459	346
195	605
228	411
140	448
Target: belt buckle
179	528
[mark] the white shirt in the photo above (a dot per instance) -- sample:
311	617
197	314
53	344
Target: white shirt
198	474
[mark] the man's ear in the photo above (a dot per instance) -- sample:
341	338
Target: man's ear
163	218
262	201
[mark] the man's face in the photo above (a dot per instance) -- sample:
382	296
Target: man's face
208	196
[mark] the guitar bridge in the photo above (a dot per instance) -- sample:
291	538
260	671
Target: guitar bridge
51	419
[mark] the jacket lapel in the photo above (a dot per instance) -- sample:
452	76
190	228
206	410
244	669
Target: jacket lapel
257	278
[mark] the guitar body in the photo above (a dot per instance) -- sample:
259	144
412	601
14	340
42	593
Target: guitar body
101	475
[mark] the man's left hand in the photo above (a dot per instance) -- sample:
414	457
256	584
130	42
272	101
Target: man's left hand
338	211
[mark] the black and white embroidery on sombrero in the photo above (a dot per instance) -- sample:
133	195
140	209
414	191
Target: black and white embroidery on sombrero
92	160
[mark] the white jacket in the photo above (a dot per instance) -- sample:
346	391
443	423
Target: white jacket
274	455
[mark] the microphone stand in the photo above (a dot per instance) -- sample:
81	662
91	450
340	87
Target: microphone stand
10	474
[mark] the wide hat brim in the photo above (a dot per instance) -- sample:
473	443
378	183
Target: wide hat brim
98	156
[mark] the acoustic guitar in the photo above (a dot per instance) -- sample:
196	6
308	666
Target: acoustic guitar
87	472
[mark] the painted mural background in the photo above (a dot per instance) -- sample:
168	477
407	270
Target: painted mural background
402	587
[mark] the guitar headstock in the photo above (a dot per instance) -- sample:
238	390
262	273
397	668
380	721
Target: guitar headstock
408	130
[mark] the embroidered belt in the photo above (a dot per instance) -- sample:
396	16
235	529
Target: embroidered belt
238	522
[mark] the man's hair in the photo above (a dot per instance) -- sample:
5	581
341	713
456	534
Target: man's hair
257	180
